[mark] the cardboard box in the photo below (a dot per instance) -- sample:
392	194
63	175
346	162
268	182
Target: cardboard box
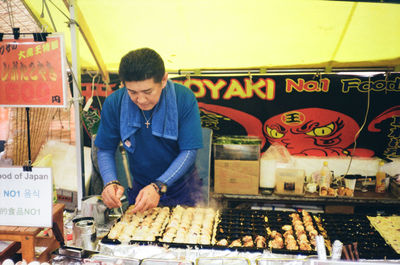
236	176
237	148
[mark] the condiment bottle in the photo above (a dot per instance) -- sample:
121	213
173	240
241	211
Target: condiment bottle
380	179
325	180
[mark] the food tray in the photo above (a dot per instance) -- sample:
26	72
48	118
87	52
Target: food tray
250	228
156	235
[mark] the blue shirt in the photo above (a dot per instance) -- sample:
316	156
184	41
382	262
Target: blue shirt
152	155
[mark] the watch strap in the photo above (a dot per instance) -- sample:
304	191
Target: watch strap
162	188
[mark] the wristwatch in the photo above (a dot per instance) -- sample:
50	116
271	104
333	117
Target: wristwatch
160	187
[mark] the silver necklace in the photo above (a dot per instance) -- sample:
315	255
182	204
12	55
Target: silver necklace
147	120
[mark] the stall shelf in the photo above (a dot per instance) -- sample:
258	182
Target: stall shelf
369	200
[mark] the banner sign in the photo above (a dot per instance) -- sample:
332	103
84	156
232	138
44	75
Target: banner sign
311	115
33	74
26	197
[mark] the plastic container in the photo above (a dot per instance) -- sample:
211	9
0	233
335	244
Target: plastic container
380	184
326	176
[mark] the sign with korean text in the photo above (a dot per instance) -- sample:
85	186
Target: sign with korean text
32	73
26	197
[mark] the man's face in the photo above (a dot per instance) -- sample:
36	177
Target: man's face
145	94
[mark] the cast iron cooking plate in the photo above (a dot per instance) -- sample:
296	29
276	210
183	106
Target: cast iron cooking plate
235	224
276	220
357	228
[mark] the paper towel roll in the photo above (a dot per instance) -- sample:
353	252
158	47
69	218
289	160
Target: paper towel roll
267	173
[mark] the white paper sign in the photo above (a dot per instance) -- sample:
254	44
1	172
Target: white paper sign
26	197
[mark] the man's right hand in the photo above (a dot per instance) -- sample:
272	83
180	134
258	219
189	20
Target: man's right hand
112	195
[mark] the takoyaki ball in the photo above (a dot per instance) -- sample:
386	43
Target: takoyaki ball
299	228
349	192
313	233
247	238
331	192
274	234
292	245
302	237
305	246
287	227
248	244
236	243
260	241
276	243
305	213
289	238
297	223
300	232
289	232
309	228
307	218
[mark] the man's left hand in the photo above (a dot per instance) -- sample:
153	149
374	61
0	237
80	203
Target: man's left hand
147	198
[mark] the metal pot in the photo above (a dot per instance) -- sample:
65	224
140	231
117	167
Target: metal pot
84	233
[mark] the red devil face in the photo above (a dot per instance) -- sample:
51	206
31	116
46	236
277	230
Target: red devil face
312	131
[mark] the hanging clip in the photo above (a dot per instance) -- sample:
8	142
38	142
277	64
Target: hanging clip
251	79
387	75
42	36
316	75
16	33
27	167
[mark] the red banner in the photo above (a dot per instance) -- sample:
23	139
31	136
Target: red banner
32	74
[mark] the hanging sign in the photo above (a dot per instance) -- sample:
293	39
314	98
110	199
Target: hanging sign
330	115
32	73
26	197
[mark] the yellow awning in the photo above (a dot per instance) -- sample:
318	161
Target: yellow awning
226	34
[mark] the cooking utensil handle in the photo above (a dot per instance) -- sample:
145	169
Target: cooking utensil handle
57	234
125	165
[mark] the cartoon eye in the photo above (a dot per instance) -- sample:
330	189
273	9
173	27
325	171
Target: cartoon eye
274	133
322	131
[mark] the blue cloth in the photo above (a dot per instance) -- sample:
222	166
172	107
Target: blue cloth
175	126
164	122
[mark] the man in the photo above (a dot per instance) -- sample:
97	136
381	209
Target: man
158	123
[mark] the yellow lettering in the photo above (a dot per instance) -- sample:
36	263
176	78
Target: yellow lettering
54	44
252	88
46	47
215	88
270	89
38	49
197	83
234	90
21	55
29	52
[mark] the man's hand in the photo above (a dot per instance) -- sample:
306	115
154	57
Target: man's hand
147	198
112	195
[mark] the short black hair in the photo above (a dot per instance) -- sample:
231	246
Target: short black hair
141	64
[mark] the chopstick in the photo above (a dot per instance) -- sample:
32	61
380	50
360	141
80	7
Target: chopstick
350	251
